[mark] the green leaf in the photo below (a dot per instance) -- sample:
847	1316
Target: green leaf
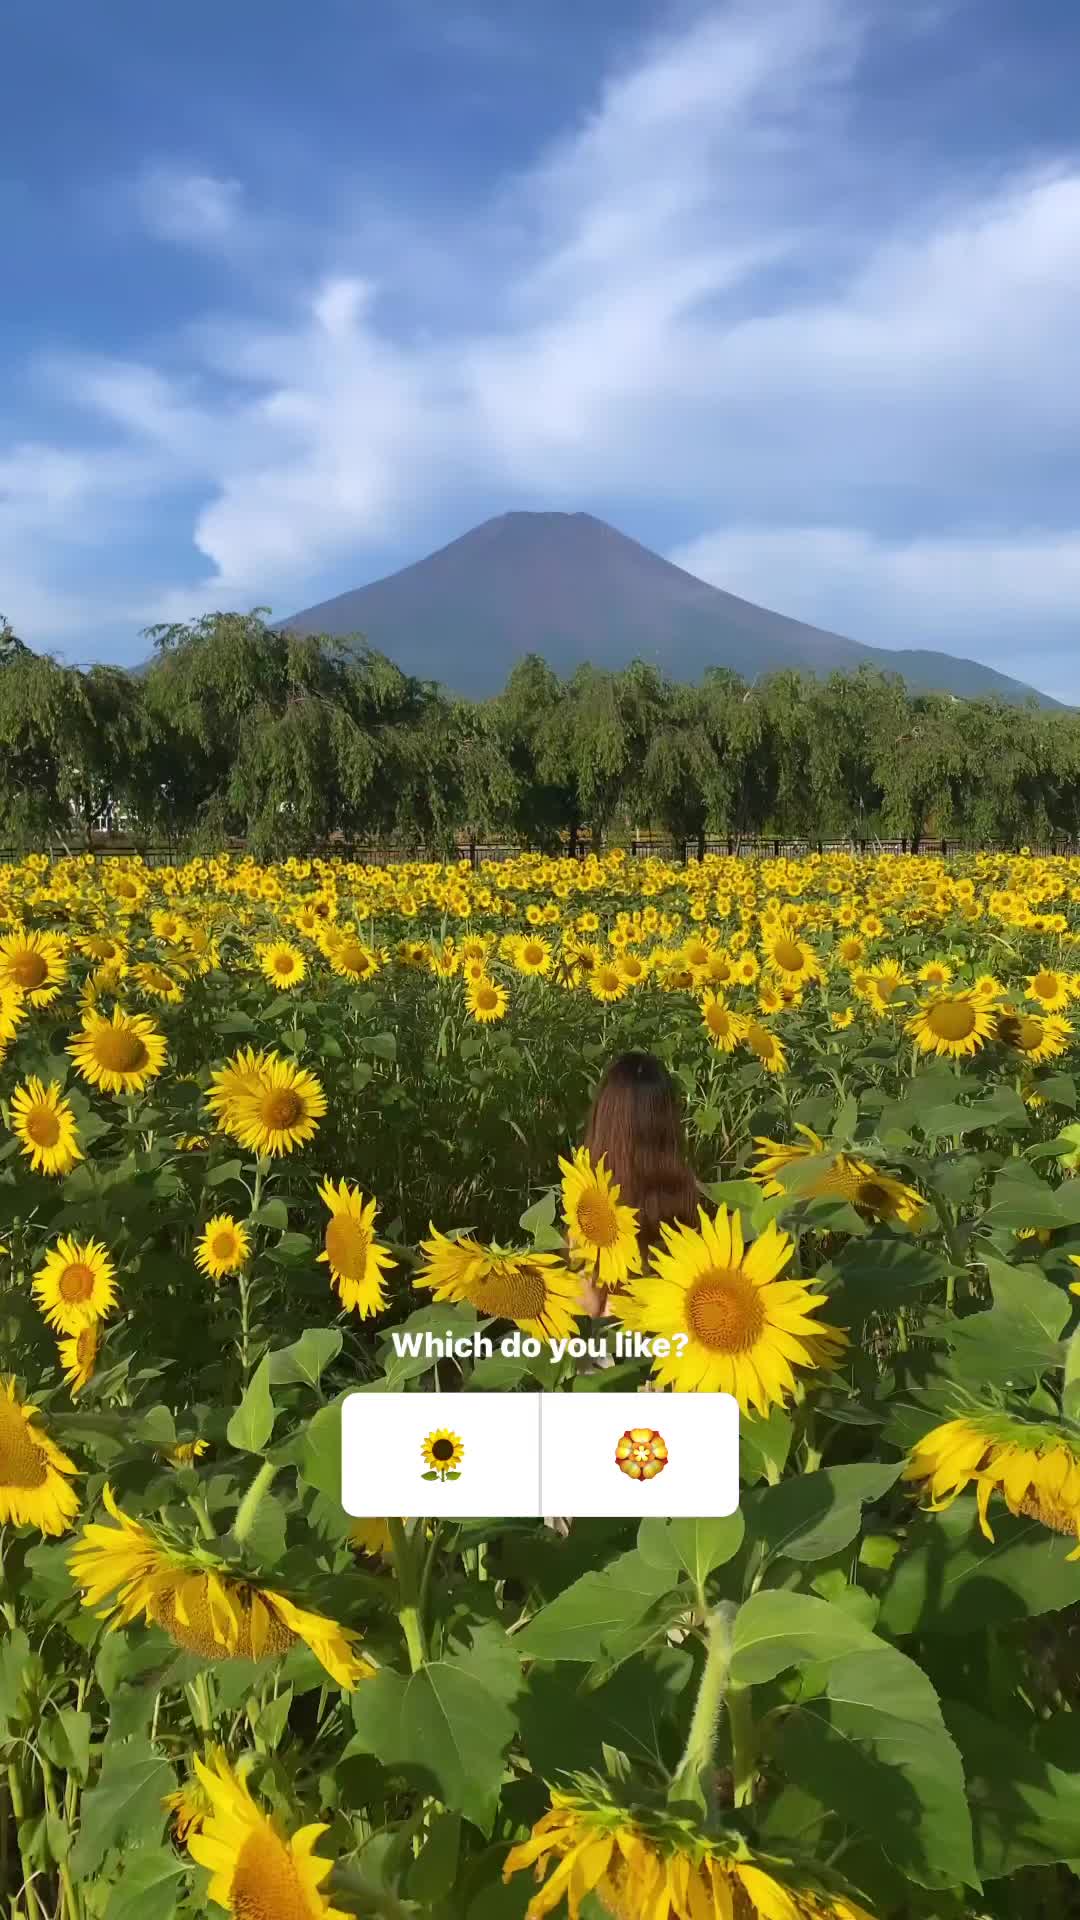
815	1514
307	1359
575	1624
320	1452
764	1443
66	1741
880	1275
124	1805
147	1888
540	1215
690	1546
273	1214
952	1580
1019	1337
253	1422
1025	1811
451	1723
623	1712
382	1045
227	1170
875	1734
433	1872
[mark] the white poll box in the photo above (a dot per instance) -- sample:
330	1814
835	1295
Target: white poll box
693	1473
520	1455
384	1469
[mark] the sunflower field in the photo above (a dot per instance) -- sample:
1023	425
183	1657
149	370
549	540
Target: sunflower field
255	1119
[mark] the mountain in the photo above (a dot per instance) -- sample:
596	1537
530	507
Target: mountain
573	589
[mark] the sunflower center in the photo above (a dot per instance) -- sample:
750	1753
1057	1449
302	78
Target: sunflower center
533	952
952	1019
347	1244
352	957
284	963
874	1198
265	1884
1045	985
1048	1512
723	1311
442	1449
223	1245
718	1020
120	1050
596	1220
486	999
76	1282
199	1633
281	1109
28	970
789	955
22	1464
43	1127
516	1293
762	1042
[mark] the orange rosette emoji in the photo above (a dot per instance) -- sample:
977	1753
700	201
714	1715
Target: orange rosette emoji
641	1453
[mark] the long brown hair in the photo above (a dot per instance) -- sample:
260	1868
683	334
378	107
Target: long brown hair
636	1124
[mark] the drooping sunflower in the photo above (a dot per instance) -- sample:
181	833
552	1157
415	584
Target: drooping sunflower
1038	1036
33	964
355	1258
200	1603
119	1055
257	1873
78	1356
767	1046
534	1290
774	1157
446	1263
33	1489
1033	1463
747	1329
953	1024
724	1027
224	1247
281	1113
485	1000
639	1860
76	1285
283	965
601	1230
45	1125
443	1451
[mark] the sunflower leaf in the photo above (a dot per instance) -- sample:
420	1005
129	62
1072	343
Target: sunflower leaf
952	1580
123	1805
253	1422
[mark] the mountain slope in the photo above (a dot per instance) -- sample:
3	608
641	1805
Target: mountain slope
573	589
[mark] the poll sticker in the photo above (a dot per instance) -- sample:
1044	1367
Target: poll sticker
466	1455
510	1456
606	1455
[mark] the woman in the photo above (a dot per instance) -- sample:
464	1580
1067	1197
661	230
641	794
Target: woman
636	1125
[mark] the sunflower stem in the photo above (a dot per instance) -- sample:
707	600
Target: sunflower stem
34	1907
251	1502
405	1567
687	1782
1070	1389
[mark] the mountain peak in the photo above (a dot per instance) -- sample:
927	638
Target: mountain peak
575	589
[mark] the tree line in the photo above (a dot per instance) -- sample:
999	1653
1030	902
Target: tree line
237	730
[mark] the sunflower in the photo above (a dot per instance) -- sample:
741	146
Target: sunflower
792	960
724	1028
203	1606
774	1157
356	1260
600	1230
239	1077
76	1286
443	1451
638	1860
353	960
842	1020
956	1024
607	983
533	957
884	988
372	1537
186	1452
936	973
33	964
45	1124
78	1356
535	1290
157	982
1033	1464
33	1490
767	1045
121	1055
1051	990
747	1330
12	1014
873	1194
224	1247
282	964
257	1874
281	1112
485	1000
1038	1036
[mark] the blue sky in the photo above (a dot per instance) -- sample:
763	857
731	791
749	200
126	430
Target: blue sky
786	289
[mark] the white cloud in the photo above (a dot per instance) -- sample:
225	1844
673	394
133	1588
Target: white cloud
702	296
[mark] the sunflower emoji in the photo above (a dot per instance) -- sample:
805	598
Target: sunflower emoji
443	1452
641	1453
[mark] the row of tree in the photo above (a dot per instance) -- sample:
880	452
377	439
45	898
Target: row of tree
238	730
